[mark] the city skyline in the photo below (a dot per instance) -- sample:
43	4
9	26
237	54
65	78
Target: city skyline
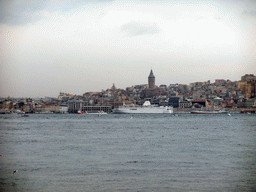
79	46
150	85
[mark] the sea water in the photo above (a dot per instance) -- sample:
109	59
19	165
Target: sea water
164	152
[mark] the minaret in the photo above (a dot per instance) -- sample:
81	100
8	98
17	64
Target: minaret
151	80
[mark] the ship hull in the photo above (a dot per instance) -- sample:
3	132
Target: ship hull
209	112
143	110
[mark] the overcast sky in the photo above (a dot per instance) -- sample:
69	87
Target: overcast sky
76	46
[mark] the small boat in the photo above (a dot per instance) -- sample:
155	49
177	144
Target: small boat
80	112
24	115
19	112
96	112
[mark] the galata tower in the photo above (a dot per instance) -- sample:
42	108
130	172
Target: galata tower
151	80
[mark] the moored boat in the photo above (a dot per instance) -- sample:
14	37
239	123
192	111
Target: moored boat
80	112
210	112
248	111
96	112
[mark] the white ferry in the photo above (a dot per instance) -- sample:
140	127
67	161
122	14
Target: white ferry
145	108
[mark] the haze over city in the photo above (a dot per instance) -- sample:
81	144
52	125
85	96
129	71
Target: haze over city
78	46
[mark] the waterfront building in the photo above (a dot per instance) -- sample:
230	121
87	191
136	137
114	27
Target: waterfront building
248	77
248	85
64	96
63	108
174	102
247	103
248	88
163	87
185	104
75	105
198	103
220	81
218	90
51	108
96	109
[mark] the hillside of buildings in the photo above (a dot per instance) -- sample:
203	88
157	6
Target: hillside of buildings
231	95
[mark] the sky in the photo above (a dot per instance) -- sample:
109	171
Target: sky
77	46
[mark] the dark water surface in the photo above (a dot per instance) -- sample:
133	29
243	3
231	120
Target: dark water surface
116	153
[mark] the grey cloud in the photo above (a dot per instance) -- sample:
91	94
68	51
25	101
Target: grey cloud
251	12
66	5
135	28
16	12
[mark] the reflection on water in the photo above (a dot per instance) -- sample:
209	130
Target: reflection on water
118	153
247	161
